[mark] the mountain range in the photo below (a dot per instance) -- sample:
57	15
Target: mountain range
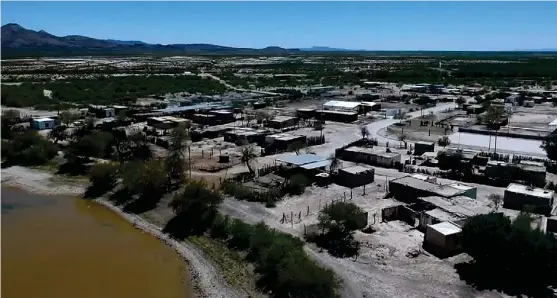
19	41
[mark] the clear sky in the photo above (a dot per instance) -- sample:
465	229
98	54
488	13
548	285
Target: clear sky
355	25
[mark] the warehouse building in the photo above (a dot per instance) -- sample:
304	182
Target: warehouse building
518	196
371	156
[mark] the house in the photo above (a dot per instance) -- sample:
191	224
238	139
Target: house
518	196
528	104
371	156
245	134
356	176
528	171
42	123
318	90
280	122
422	147
443	239
205	119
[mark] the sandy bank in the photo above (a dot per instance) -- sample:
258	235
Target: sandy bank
206	279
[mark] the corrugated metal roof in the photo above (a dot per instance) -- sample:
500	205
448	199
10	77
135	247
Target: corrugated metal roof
301	159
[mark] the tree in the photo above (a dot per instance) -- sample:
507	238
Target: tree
248	154
58	133
493	118
402	138
147	179
95	144
444	141
67	117
296	147
28	148
338	222
334	163
121	116
495	201
175	161
550	146
460	101
10	117
198	205
103	176
364	131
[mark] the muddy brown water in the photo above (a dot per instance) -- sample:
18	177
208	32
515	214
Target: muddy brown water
56	246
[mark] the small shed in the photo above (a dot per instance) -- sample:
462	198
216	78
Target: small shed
42	123
442	239
356	176
280	122
422	147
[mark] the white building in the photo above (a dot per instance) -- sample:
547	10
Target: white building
344	106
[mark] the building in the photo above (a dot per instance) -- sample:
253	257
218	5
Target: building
222	116
392	112
102	111
205	119
409	189
443	239
245	134
371	156
356	176
318	90
281	141
475	109
528	104
337	116
422	147
280	122
344	106
42	123
305	113
528	171
518	196
469	191
166	122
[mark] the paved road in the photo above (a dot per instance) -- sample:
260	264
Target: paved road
203	74
374	127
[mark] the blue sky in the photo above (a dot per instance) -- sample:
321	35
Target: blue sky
355	25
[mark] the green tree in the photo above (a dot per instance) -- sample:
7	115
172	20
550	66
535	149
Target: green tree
338	222
28	148
334	163
147	179
175	162
67	117
296	147
103	177
495	201
364	131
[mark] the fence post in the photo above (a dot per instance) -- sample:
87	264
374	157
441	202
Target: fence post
291	218
307	213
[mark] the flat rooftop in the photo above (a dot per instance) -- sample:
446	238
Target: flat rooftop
337	112
357	169
446	228
530	191
282	118
374	151
415	183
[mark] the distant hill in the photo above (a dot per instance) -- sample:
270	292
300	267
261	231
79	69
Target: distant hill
327	49
19	41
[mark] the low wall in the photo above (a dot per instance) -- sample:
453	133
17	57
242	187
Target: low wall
501	133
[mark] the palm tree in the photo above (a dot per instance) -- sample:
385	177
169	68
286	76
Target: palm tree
248	154
493	118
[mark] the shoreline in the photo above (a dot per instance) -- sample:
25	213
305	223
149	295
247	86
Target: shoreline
204	278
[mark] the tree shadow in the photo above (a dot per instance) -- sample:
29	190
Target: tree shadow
74	168
120	197
142	204
339	248
490	278
97	190
181	227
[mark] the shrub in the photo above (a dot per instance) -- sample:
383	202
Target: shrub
297	184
